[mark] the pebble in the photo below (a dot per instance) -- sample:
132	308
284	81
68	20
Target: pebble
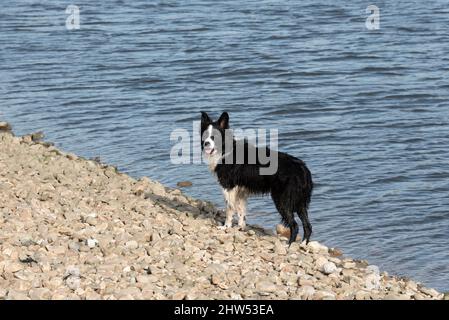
279	248
179	296
184	184
372	281
92	243
132	244
17	295
320	262
3	293
306	292
302	281
5	126
329	267
13	267
40	294
362	295
324	295
266	286
335	252
430	292
317	247
349	265
372	269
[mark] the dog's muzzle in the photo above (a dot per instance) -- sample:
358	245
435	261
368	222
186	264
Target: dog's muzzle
208	148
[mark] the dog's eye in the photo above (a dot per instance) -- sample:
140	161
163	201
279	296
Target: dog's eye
212	138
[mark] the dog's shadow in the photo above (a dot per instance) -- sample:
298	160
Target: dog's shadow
179	202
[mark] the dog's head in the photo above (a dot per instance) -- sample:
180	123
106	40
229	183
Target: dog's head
214	134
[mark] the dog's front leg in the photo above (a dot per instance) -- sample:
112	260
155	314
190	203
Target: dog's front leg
241	212
229	196
229	216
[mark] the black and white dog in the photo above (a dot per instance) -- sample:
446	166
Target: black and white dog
238	166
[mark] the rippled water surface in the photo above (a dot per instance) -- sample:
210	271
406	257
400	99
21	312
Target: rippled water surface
367	110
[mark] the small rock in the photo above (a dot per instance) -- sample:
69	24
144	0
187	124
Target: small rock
396	296
372	281
17	295
74	246
302	281
5	126
128	293
266	286
328	268
317	247
306	292
26	258
179	295
349	265
24	275
229	247
412	285
37	136
283	231
334	252
40	294
372	269
92	295
279	248
92	243
362	295
132	244
235	296
184	184
239	237
13	267
26	240
71	156
430	292
27	138
324	295
73	282
320	262
219	280
418	296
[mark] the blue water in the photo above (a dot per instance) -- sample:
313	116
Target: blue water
367	110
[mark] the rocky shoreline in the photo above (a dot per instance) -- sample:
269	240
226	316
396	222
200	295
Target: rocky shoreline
73	228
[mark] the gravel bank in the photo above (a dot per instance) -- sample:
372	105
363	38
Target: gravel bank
73	228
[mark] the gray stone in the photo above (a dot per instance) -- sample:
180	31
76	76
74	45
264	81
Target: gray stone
329	267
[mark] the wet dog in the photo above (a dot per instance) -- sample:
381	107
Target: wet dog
239	167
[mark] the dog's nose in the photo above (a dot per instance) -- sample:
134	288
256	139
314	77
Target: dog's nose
207	143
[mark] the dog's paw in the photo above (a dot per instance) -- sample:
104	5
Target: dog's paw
242	227
224	227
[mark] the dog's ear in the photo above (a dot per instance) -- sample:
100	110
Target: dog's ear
205	118
223	121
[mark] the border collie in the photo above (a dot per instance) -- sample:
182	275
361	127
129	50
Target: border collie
238	167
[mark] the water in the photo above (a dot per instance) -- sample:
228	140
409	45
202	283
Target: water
367	110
